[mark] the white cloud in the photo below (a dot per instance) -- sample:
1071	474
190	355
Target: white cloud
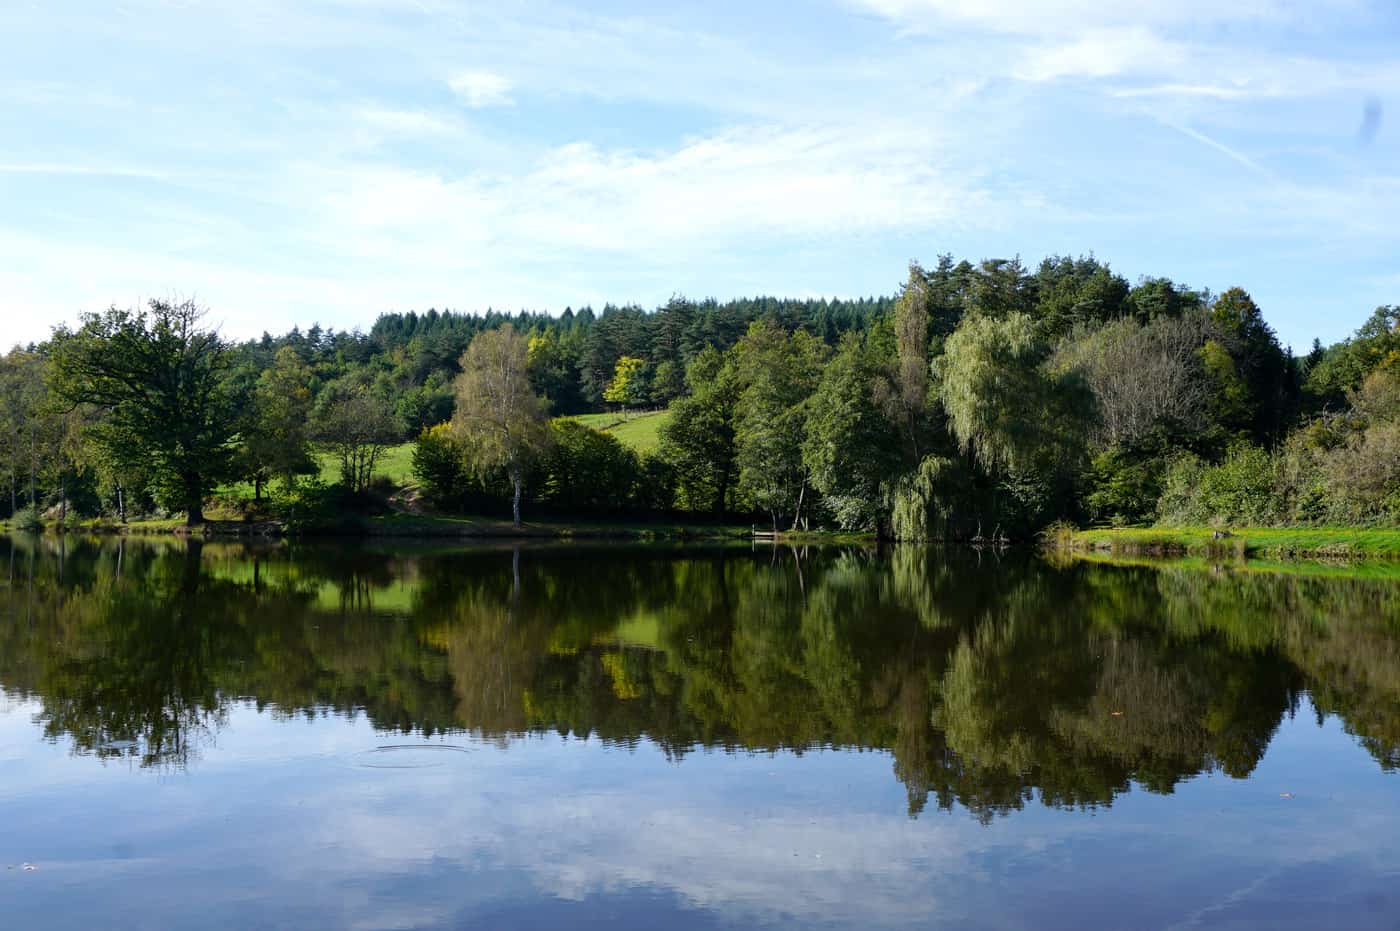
1102	53
482	89
753	185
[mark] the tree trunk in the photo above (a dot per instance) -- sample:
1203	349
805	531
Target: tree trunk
121	505
515	509
257	488
194	501
721	496
62	500
801	495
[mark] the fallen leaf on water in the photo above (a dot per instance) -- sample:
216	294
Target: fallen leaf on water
1285	795
1116	714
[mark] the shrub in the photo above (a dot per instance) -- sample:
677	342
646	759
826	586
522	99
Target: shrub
26	519
1240	490
440	467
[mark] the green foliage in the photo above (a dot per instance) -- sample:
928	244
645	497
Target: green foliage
777	373
1080	292
440	467
356	426
993	389
699	439
1125	485
276	430
1343	367
667	382
924	501
586	470
1268	387
1239	490
1341	468
26	519
553	367
1022	422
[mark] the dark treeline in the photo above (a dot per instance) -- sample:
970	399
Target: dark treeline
984	400
990	683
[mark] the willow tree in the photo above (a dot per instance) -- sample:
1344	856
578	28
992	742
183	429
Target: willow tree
1018	418
159	377
499	419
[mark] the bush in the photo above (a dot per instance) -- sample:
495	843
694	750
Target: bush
1240	490
1125	488
440	467
314	505
587	470
26	519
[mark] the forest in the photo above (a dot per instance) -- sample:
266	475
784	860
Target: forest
984	400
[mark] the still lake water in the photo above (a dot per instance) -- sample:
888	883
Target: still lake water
317	736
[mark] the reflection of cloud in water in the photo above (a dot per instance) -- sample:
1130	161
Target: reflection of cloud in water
275	822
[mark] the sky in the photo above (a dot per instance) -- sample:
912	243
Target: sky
330	160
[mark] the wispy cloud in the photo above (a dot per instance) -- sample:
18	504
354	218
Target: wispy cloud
335	159
1073	16
482	88
1233	154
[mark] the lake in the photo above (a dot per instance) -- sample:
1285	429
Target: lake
230	736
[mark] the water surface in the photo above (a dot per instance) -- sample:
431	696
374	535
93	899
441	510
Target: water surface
316	736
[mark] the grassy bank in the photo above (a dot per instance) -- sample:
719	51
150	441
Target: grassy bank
1280	542
415	525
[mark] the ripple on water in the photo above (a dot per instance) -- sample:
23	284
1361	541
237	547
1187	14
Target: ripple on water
408	756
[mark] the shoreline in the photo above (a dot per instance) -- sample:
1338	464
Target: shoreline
1269	542
404	526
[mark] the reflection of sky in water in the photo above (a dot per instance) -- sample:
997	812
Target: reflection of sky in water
279	827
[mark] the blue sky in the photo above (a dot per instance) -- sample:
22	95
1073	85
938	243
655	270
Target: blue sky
290	162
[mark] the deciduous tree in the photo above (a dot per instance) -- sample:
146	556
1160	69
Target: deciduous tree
157	375
500	420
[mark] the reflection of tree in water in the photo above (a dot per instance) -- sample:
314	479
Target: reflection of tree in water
990	685
134	672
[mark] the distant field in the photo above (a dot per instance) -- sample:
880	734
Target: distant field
395	463
641	431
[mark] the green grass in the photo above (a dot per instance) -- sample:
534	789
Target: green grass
395	463
1347	542
640	431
